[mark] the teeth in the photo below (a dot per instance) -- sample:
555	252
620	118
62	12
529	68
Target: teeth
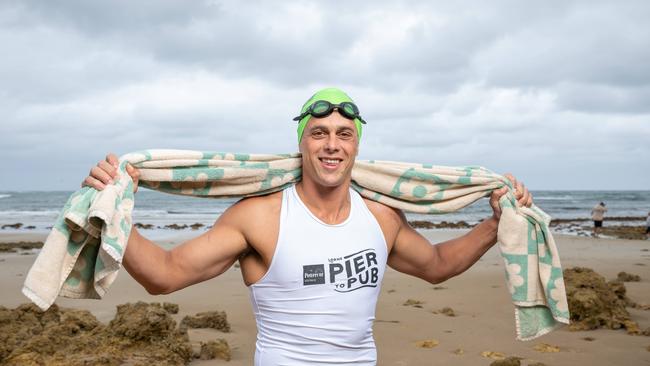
330	161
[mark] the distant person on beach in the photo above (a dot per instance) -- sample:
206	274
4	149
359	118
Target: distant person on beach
313	256
647	229
598	214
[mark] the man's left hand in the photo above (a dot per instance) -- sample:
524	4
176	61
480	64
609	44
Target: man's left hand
523	197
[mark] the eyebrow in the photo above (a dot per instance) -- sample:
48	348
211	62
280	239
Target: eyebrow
323	127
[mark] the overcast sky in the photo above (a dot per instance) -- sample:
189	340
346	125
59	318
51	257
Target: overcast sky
556	92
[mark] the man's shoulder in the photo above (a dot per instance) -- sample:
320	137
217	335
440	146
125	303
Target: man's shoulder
384	212
252	212
259	204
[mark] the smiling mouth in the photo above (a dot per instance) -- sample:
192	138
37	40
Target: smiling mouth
330	163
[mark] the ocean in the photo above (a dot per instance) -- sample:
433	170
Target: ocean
37	211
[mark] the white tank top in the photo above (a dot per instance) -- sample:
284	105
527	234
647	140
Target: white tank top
316	303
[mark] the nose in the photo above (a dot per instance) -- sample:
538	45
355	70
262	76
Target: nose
332	143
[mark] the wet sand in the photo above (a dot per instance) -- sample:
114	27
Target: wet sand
483	320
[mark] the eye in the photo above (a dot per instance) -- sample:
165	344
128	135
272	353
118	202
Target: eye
346	134
318	133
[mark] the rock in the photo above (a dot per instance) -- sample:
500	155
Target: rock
592	302
142	321
75	321
621	292
427	343
493	355
423	224
508	361
29	245
176	226
625	232
12	247
151	331
631	327
210	319
196	226
414	303
26	359
546	348
59	336
170	307
17	225
626	277
445	311
215	349
140	225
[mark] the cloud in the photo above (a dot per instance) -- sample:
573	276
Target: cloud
533	88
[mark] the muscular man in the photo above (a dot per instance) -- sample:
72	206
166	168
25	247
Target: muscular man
313	255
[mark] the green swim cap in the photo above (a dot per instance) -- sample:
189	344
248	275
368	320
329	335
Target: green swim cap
332	95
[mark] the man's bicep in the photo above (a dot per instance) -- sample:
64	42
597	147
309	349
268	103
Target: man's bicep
209	254
413	254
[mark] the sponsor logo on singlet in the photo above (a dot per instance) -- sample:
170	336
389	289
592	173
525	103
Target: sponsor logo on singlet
313	274
348	273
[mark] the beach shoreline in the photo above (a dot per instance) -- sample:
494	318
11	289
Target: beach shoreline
484	318
624	227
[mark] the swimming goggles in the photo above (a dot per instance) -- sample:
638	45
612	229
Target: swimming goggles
323	108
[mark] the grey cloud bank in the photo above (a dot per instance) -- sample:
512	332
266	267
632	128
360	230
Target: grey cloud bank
555	92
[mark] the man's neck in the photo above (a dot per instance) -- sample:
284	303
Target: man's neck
330	204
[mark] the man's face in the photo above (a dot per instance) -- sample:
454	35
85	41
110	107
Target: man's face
329	146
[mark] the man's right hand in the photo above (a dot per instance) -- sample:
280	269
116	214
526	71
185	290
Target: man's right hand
106	171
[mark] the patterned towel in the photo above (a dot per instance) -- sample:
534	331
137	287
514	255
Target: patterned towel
83	252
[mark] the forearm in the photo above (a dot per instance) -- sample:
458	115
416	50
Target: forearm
459	254
146	262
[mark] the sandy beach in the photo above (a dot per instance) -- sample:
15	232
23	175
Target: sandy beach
483	320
